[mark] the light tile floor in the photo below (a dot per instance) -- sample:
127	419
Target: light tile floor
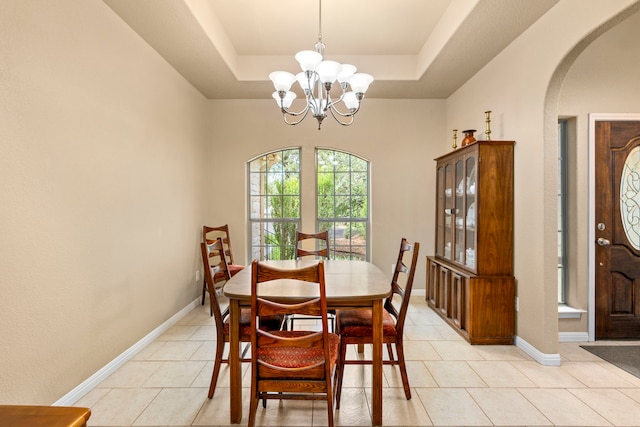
452	384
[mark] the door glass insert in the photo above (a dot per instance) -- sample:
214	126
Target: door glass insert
630	197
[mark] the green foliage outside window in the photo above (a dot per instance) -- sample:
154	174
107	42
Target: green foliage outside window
343	202
285	204
275	204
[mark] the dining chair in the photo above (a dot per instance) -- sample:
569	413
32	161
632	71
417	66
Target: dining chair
355	325
322	253
208	236
210	252
288	364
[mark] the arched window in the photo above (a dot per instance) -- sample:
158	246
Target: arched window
274	204
343	202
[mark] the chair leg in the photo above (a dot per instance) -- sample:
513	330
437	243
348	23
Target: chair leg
340	372
216	367
390	351
204	290
253	406
403	369
329	405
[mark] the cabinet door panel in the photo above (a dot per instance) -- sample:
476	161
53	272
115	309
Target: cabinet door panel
432	281
442	293
458	299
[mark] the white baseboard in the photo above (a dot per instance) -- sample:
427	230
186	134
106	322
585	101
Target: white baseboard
86	386
419	292
573	337
542	358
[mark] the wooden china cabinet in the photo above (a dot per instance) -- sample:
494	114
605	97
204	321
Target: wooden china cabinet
470	280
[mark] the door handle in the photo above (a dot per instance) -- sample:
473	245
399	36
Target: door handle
603	242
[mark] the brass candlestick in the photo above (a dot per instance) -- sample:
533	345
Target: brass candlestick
488	122
455	139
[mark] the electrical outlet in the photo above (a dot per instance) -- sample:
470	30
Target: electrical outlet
517	304
197	275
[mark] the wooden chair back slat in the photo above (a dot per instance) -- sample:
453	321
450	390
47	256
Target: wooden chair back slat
320	237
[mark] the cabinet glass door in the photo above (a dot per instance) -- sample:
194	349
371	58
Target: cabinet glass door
449	217
470	215
459	210
440	211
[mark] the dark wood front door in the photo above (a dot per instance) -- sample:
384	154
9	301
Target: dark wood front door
617	229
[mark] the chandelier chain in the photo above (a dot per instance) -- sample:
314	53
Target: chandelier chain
320	20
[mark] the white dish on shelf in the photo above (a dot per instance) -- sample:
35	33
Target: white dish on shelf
471	215
471	188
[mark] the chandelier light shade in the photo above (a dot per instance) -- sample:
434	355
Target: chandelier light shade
316	80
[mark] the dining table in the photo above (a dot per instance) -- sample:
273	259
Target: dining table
348	284
43	416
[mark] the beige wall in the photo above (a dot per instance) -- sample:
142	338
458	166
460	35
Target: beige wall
603	79
399	137
521	87
102	171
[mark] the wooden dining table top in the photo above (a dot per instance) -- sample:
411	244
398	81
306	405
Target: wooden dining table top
347	283
43	416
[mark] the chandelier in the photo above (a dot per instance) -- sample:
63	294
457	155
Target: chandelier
317	79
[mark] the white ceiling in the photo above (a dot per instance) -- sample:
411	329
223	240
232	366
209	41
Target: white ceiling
413	48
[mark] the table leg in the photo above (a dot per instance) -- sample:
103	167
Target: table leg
376	390
235	368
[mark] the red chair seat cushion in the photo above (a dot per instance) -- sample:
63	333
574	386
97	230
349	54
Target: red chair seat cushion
357	323
235	269
298	357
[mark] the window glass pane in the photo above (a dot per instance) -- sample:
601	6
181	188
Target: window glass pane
291	206
341	161
358	164
349	240
326	206
562	210
274	161
359	207
326	185
343	185
359	183
291	160
343	207
256	204
324	160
